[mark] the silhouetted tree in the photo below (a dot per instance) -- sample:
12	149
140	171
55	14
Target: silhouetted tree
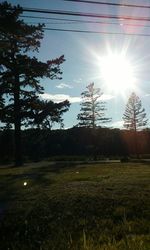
134	116
47	113
92	112
20	72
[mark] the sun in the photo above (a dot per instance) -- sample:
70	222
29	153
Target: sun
117	72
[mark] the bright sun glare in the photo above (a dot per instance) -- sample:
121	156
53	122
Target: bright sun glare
117	72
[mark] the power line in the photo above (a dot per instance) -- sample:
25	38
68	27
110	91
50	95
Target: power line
57	19
94	15
110	4
98	32
84	21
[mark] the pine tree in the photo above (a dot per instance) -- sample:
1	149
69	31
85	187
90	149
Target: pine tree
20	72
134	116
92	112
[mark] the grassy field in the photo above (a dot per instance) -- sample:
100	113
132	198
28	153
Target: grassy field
75	206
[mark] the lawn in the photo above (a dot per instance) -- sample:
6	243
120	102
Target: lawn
60	206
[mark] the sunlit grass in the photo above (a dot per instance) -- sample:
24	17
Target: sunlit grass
71	206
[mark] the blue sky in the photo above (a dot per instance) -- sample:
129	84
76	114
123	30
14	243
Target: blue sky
83	51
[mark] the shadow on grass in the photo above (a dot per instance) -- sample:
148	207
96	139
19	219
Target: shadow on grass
47	215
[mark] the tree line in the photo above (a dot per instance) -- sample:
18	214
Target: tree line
75	143
20	87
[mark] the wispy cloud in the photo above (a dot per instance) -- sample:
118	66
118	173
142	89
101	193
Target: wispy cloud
79	80
63	85
72	99
106	97
60	97
147	95
117	124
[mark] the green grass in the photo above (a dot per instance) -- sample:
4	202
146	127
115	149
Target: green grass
70	206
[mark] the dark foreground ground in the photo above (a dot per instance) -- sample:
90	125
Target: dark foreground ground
69	206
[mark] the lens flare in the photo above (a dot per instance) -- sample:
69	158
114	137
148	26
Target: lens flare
117	72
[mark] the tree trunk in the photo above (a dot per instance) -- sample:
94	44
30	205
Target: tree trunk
136	144
17	123
135	137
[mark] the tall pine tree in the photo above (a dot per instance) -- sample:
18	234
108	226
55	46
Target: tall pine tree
92	112
134	116
20	72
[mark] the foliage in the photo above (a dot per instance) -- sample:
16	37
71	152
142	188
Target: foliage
20	72
75	143
134	116
92	110
47	113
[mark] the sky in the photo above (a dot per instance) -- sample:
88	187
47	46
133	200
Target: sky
85	53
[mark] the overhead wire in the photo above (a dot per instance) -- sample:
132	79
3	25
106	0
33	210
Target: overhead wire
98	32
83	21
83	14
93	15
110	4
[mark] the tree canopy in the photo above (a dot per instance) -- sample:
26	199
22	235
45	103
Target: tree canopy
47	113
92	112
20	72
134	116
